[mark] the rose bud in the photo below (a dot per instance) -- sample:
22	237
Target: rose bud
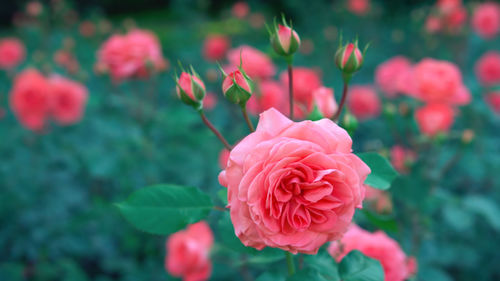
349	59
190	89
284	39
237	87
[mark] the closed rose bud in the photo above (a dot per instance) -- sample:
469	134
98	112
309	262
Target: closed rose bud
237	87
349	59
285	40
190	89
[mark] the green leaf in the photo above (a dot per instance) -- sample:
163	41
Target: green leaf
164	209
384	222
485	207
306	274
358	267
382	173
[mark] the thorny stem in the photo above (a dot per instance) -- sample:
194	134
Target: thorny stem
215	131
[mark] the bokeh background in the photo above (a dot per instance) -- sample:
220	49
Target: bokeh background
57	221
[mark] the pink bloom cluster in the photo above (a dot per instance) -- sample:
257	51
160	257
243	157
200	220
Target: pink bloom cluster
448	16
34	99
486	20
12	53
293	186
397	266
135	54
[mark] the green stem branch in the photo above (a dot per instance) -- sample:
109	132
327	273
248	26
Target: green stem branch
342	102
290	264
247	119
215	131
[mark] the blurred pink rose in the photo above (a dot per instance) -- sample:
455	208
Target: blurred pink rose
400	157
380	199
87	28
223	157
488	68
363	102
486	20
358	7
68	100
456	18
376	245
324	99
240	9
30	99
493	99
434	118
270	95
188	253
433	24
293	185
439	81
389	75
305	82
210	101
215	47
134	54
12	53
255	63
448	5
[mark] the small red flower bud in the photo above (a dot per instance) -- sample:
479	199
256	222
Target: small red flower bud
285	40
190	89
349	59
237	87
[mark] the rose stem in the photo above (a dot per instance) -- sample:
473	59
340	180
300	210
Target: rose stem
247	119
290	263
342	102
290	88
214	130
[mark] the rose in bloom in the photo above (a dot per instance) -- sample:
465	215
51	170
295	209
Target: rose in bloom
12	53
379	246
380	199
493	99
188	253
134	54
30	99
255	63
293	185
488	68
446	6
324	100
455	19
400	157
68	100
434	118
305	82
269	94
223	157
358	7
215	47
486	20
389	75
439	81
363	102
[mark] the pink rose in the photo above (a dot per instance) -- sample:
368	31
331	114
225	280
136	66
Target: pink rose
358	7
270	94
486	20
134	54
188	253
240	9
30	99
12	53
400	157
68	99
293	185
376	245
305	82
209	101
488	68
223	157
255	63
363	102
185	85
325	101
389	75
215	47
439	81
455	19
434	118
493	99
445	6
433	24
